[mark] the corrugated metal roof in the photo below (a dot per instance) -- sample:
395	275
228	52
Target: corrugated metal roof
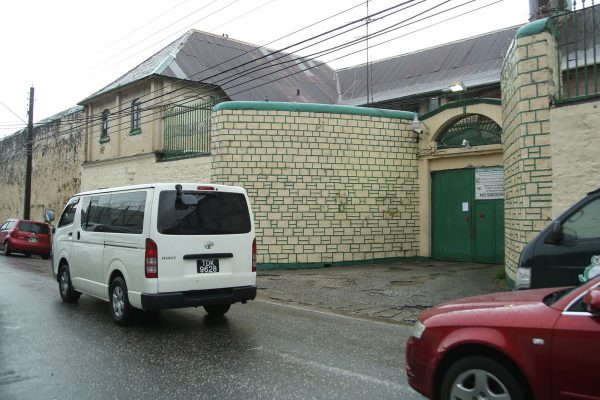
216	60
268	75
476	61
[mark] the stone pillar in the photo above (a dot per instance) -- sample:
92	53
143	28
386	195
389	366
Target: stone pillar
528	82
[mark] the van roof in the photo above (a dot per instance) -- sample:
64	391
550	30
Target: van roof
165	186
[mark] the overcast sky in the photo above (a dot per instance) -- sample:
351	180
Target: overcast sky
70	49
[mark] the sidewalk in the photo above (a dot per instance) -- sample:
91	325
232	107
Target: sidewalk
395	293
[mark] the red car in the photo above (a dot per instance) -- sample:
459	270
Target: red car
534	344
26	237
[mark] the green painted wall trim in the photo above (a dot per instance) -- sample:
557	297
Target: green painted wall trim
460	103
314	265
534	28
315	108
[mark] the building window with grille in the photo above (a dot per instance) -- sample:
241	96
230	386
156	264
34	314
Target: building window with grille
104	135
136	116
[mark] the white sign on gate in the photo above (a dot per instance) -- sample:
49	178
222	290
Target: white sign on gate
489	183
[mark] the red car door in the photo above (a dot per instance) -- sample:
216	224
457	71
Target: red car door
576	355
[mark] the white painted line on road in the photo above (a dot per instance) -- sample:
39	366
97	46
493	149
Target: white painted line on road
331	314
339	371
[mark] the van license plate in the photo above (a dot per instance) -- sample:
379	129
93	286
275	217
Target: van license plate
208	265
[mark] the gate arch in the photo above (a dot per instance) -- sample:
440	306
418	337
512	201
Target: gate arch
441	151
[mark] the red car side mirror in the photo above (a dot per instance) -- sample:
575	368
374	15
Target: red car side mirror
591	300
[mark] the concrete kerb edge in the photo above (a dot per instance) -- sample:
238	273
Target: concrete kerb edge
322	264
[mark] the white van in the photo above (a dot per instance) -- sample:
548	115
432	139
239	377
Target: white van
157	246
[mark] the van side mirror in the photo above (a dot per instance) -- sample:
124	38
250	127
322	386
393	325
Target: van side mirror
49	215
555	236
591	301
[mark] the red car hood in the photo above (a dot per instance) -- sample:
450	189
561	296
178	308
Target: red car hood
493	303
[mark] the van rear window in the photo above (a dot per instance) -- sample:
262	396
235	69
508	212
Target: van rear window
215	213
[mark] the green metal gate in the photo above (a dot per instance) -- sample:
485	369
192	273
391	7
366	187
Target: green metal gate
187	130
467	216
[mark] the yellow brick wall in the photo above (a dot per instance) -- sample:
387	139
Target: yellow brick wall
325	188
527	85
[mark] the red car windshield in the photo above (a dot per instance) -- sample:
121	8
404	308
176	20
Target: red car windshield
26	226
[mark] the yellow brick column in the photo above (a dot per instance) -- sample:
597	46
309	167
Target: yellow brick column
528	83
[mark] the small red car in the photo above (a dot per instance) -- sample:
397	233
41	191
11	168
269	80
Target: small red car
534	344
26	237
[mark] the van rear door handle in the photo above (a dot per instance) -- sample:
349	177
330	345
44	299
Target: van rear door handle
78	235
70	234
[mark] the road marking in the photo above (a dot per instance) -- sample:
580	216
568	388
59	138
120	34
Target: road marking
332	314
337	370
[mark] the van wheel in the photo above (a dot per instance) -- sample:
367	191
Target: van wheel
6	249
217	309
120	309
67	293
480	377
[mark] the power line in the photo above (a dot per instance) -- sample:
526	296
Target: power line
152	35
270	55
160	16
383	31
194	84
12	112
241	15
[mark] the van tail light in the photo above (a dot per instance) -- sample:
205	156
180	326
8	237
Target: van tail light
254	256
151	259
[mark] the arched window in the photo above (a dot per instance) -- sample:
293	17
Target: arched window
469	131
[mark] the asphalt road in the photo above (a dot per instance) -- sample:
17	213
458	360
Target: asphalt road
261	350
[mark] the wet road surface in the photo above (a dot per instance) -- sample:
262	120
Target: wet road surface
261	350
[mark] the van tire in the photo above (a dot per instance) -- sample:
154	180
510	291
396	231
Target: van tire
217	309
67	293
120	309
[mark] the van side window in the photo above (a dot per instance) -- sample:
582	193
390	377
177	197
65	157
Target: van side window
93	210
68	214
125	213
585	223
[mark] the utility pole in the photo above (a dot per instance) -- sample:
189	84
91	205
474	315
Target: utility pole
29	151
